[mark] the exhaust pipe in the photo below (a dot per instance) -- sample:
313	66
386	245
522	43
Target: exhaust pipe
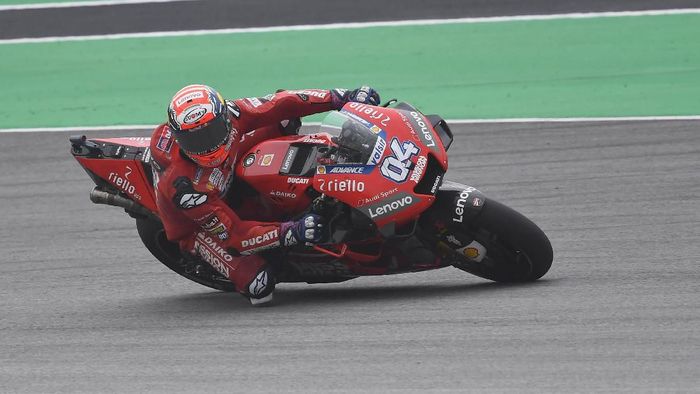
99	196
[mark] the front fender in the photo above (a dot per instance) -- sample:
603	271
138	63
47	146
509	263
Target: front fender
456	203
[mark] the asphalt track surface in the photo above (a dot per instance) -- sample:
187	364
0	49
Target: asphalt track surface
220	14
85	308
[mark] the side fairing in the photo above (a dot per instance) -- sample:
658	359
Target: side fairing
280	170
123	164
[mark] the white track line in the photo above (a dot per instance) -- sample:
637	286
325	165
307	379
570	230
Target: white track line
73	4
141	127
353	25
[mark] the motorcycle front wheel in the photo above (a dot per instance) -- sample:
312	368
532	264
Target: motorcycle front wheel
492	241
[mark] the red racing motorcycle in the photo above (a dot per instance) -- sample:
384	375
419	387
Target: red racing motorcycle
376	173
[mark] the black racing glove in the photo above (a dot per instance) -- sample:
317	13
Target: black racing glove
307	230
365	95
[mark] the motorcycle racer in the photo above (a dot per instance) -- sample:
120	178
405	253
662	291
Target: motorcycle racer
194	156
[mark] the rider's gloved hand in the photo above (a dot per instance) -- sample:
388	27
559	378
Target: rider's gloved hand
365	95
308	229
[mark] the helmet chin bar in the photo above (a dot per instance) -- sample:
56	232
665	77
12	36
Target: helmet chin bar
213	159
205	139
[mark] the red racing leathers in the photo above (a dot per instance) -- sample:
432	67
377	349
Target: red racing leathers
190	198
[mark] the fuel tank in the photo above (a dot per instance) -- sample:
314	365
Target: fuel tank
282	170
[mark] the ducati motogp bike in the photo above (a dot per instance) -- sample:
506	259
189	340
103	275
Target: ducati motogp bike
377	173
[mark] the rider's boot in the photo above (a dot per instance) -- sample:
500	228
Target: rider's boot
261	288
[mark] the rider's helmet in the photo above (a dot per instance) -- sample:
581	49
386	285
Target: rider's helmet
198	118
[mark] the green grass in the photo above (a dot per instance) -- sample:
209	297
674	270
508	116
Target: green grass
591	67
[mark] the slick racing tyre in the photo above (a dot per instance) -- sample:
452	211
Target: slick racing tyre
153	237
487	238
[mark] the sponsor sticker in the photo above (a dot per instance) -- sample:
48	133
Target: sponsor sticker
260	239
341	185
390	207
266	160
310	93
459	205
311	140
215	227
378	151
424	129
191	200
377	197
123	183
216	180
298	181
344	169
436	184
419	168
213	253
278	193
373	113
194	114
474	251
288	159
189	97
165	141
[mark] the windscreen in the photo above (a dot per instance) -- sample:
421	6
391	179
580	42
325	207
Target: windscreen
356	142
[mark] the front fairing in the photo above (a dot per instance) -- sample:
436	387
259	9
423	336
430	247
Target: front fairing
389	162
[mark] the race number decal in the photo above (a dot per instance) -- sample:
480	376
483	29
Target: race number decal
396	167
